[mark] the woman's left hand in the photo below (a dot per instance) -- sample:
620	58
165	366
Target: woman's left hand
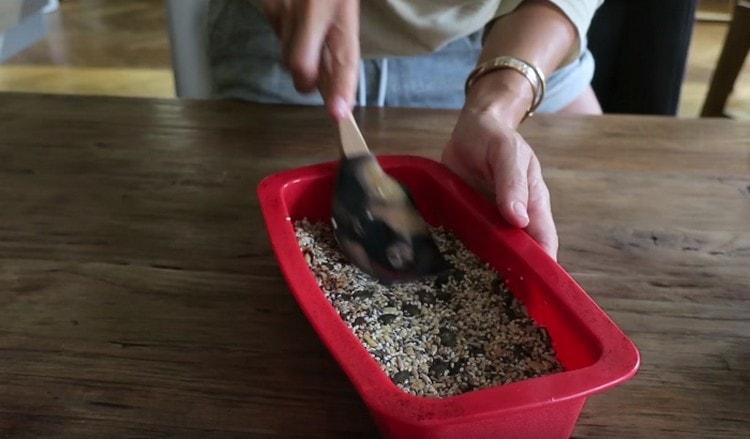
486	150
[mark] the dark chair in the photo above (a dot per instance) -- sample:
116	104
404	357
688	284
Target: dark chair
733	55
640	48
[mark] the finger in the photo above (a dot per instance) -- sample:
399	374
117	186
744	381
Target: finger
509	162
272	11
341	64
278	13
287	24
313	19
541	224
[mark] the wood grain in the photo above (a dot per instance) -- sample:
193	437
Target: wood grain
139	296
130	82
103	33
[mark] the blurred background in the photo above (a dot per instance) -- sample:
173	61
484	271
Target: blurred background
115	47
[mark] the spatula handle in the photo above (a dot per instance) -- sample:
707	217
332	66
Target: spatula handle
352	142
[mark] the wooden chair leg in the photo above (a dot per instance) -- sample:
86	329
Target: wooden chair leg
732	57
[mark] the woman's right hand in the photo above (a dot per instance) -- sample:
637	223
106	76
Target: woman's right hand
320	47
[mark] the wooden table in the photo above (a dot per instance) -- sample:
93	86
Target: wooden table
139	296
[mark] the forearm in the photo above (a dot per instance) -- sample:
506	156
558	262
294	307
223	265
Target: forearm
536	32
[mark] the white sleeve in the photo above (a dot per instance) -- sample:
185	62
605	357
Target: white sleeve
580	12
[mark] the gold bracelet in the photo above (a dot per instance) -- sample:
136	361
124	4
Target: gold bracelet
532	73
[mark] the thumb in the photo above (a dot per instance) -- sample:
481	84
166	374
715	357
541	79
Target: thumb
510	173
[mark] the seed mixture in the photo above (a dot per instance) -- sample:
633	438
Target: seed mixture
440	336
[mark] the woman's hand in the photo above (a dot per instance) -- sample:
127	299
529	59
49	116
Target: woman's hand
487	151
485	148
320	46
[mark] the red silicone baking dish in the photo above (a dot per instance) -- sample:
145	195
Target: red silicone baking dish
595	353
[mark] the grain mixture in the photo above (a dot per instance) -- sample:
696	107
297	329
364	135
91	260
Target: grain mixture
441	336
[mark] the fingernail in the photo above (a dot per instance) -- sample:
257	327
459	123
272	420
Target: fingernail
520	209
340	108
551	252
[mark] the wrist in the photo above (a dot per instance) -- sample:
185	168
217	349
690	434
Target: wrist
506	94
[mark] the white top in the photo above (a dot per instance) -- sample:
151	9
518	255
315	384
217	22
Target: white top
413	27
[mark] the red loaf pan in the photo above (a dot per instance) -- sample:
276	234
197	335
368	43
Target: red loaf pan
595	353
